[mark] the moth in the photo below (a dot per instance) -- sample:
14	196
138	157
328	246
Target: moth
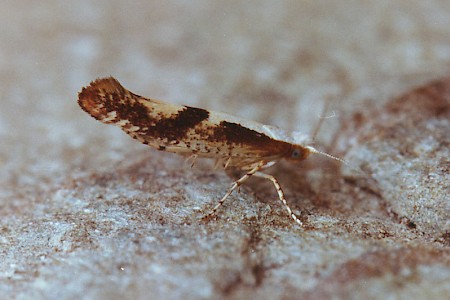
195	132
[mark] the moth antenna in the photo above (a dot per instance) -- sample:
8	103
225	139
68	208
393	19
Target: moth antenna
322	118
314	150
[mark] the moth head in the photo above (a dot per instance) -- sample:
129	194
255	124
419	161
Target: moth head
297	153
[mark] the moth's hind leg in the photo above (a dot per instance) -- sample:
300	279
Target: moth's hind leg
234	186
280	195
191	159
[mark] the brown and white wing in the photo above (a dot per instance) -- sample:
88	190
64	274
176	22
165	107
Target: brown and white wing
180	129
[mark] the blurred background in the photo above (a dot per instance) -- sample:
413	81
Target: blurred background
276	62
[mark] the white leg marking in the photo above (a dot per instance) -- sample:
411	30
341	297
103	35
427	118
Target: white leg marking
280	195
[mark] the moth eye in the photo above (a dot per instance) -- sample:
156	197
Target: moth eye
295	153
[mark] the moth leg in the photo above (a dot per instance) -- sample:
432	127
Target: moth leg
227	163
234	186
222	162
192	158
280	195
218	162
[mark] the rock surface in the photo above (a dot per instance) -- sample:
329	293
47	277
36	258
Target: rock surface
86	212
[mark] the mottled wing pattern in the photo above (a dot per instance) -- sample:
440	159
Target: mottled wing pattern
179	129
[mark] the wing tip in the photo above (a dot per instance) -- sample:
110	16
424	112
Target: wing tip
92	98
